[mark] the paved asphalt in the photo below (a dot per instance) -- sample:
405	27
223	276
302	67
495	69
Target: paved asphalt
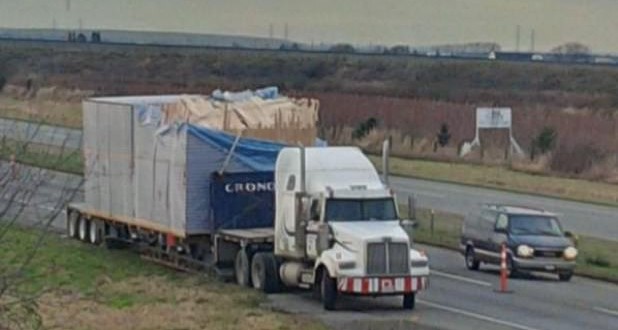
460	299
457	298
581	218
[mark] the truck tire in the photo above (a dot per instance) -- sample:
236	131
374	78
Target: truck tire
72	224
328	289
94	232
409	301
84	226
471	262
242	270
264	274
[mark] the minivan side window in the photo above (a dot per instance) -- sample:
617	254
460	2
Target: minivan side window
488	219
502	222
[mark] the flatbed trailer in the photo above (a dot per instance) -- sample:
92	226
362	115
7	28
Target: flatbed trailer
216	253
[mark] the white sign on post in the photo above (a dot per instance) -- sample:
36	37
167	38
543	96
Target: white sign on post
493	118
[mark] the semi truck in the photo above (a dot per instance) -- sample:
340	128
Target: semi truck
266	214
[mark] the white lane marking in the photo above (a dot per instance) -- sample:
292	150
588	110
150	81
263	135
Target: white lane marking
476	316
460	278
606	311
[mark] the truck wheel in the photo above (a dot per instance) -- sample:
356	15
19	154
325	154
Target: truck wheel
84	226
241	268
264	274
471	261
409	300
328	289
565	276
72	224
95	232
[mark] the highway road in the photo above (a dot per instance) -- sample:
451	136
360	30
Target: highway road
460	299
457	298
41	134
581	218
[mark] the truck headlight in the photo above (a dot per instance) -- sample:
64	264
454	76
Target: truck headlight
347	265
570	253
525	251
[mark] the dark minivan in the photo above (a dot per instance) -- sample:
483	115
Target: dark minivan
534	239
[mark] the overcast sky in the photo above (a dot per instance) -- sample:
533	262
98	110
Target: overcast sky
413	22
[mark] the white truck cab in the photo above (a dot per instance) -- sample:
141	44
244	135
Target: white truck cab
337	228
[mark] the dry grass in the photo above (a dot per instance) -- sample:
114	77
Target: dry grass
88	287
45	110
498	177
155	302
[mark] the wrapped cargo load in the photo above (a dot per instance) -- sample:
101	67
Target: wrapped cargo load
150	160
262	114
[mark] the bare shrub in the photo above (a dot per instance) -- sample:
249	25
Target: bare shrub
575	159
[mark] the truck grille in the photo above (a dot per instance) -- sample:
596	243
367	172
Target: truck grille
387	258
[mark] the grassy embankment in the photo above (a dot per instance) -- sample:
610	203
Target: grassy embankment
53	158
497	177
596	257
88	287
57	113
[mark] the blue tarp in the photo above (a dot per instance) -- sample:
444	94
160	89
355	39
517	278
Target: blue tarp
258	155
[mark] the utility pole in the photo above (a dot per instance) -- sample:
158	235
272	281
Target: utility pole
286	32
517	38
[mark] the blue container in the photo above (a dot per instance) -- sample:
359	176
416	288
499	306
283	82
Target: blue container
242	200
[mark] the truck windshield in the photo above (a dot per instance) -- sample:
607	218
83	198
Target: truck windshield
534	225
360	209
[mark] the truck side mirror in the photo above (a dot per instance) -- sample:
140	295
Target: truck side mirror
407	223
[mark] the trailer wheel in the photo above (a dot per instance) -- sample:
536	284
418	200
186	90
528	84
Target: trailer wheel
95	232
72	224
264	274
241	268
409	300
84	226
328	290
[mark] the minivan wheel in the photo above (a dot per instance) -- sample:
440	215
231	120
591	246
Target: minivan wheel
471	261
565	276
510	266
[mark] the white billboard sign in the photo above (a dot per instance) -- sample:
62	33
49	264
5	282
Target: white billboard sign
493	118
